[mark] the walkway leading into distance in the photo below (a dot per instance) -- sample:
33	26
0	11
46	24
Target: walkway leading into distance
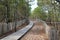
20	33
36	33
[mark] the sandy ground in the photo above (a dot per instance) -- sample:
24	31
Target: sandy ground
36	33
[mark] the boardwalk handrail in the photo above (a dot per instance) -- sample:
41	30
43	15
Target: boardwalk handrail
20	33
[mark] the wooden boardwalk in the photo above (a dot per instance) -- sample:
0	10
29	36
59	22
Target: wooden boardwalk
18	34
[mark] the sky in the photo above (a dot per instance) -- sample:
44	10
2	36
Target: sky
34	5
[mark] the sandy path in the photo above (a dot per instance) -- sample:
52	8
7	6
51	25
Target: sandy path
36	33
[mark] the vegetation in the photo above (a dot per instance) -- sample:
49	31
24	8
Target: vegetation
11	8
47	11
38	14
